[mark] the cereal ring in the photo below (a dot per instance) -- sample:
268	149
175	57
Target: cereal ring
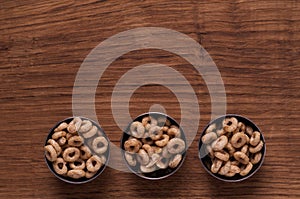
55	146
244	149
211	128
176	145
77	164
222	155
148	149
50	153
71	154
219	143
174	162
256	158
58	134
241	157
89	174
154	158
156	149
240	128
62	141
257	148
235	169
249	130
100	145
86	125
165	153
174	132
225	169
155	132
60	167
75	140
132	145
165	129
61	127
230	148
76	173
142	157
147	139
145	169
163	163
137	129
103	159
209	137
235	163
69	135
147	127
246	169
90	133
238	140
93	164
74	125
130	158
163	121
149	120
221	132
163	142
255	138
230	124
216	165
85	152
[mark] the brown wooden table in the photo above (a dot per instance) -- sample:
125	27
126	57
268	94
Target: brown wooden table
255	44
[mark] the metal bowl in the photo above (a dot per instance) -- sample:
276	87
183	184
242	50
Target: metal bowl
84	179
160	173
206	160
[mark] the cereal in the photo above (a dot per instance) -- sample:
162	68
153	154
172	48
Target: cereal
93	164
176	145
137	129
100	145
69	156
154	144
233	147
132	145
163	142
219	143
255	138
55	145
238	140
175	161
60	166
75	141
209	137
143	157
257	148
50	153
222	155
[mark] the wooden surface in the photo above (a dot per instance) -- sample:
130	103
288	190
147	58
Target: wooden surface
255	44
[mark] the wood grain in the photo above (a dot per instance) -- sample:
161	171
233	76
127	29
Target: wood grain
255	44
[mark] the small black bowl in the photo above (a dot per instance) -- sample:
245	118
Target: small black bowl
160	173
206	161
84	179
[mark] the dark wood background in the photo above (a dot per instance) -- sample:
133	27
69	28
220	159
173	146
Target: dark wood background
255	44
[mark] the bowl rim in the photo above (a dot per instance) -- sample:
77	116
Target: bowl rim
139	173
62	178
244	177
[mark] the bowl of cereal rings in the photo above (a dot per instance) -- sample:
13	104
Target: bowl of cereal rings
153	146
76	150
232	148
